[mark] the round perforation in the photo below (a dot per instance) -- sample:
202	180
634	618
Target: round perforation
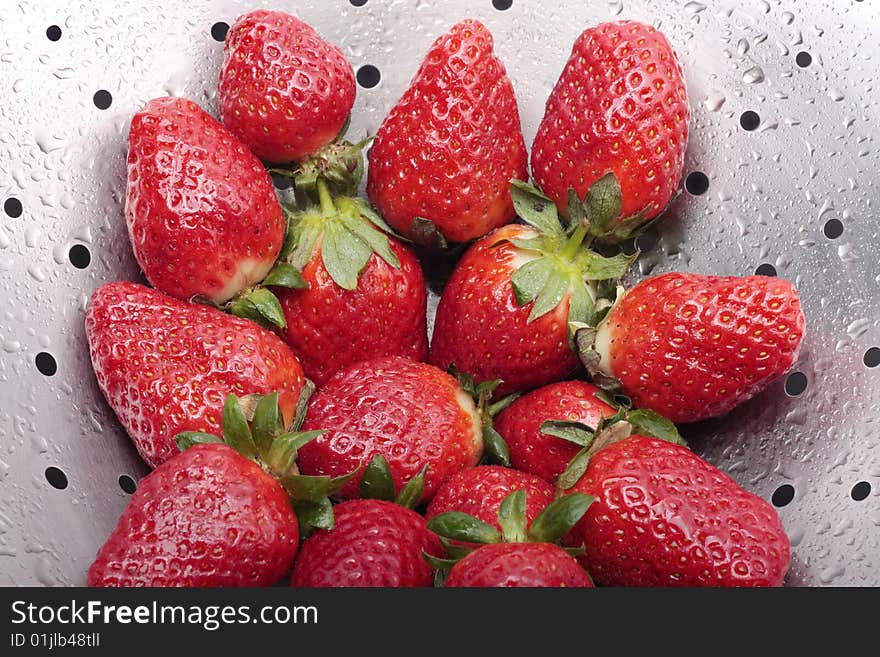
860	491
833	229
696	183
46	364
795	384
749	120
368	76
102	99
783	495
219	30
12	207
56	477
79	256
127	484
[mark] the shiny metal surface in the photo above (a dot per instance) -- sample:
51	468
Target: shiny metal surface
777	195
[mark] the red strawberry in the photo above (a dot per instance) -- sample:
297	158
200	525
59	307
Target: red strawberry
664	517
411	413
692	347
505	312
620	106
283	90
365	294
443	158
540	453
527	557
518	565
166	366
479	492
201	211
372	543
206	517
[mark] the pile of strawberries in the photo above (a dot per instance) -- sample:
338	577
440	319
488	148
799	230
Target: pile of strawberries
278	376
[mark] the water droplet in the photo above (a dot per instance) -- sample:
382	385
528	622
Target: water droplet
846	253
31	235
11	346
694	7
857	328
37	272
828	575
714	101
754	75
836	95
787	17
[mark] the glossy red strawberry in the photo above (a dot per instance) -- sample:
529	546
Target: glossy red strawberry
692	347
518	565
372	543
505	311
365	293
532	450
620	106
166	365
201	210
662	516
480	491
481	329
413	414
206	517
284	91
443	158
516	551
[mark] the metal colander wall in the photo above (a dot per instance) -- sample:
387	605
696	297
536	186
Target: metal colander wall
780	179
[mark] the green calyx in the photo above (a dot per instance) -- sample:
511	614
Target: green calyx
254	427
600	211
609	430
459	532
495	448
346	229
378	483
260	304
549	526
340	164
561	262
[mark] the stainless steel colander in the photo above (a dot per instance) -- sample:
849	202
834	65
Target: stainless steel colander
781	177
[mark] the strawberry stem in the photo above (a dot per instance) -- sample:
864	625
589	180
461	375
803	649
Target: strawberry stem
327	206
573	243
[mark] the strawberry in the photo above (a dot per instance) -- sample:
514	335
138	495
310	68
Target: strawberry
518	565
205	517
166	365
520	425
692	346
284	91
505	311
521	554
201	211
620	107
363	294
372	543
479	492
412	414
662	516
218	514
442	159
